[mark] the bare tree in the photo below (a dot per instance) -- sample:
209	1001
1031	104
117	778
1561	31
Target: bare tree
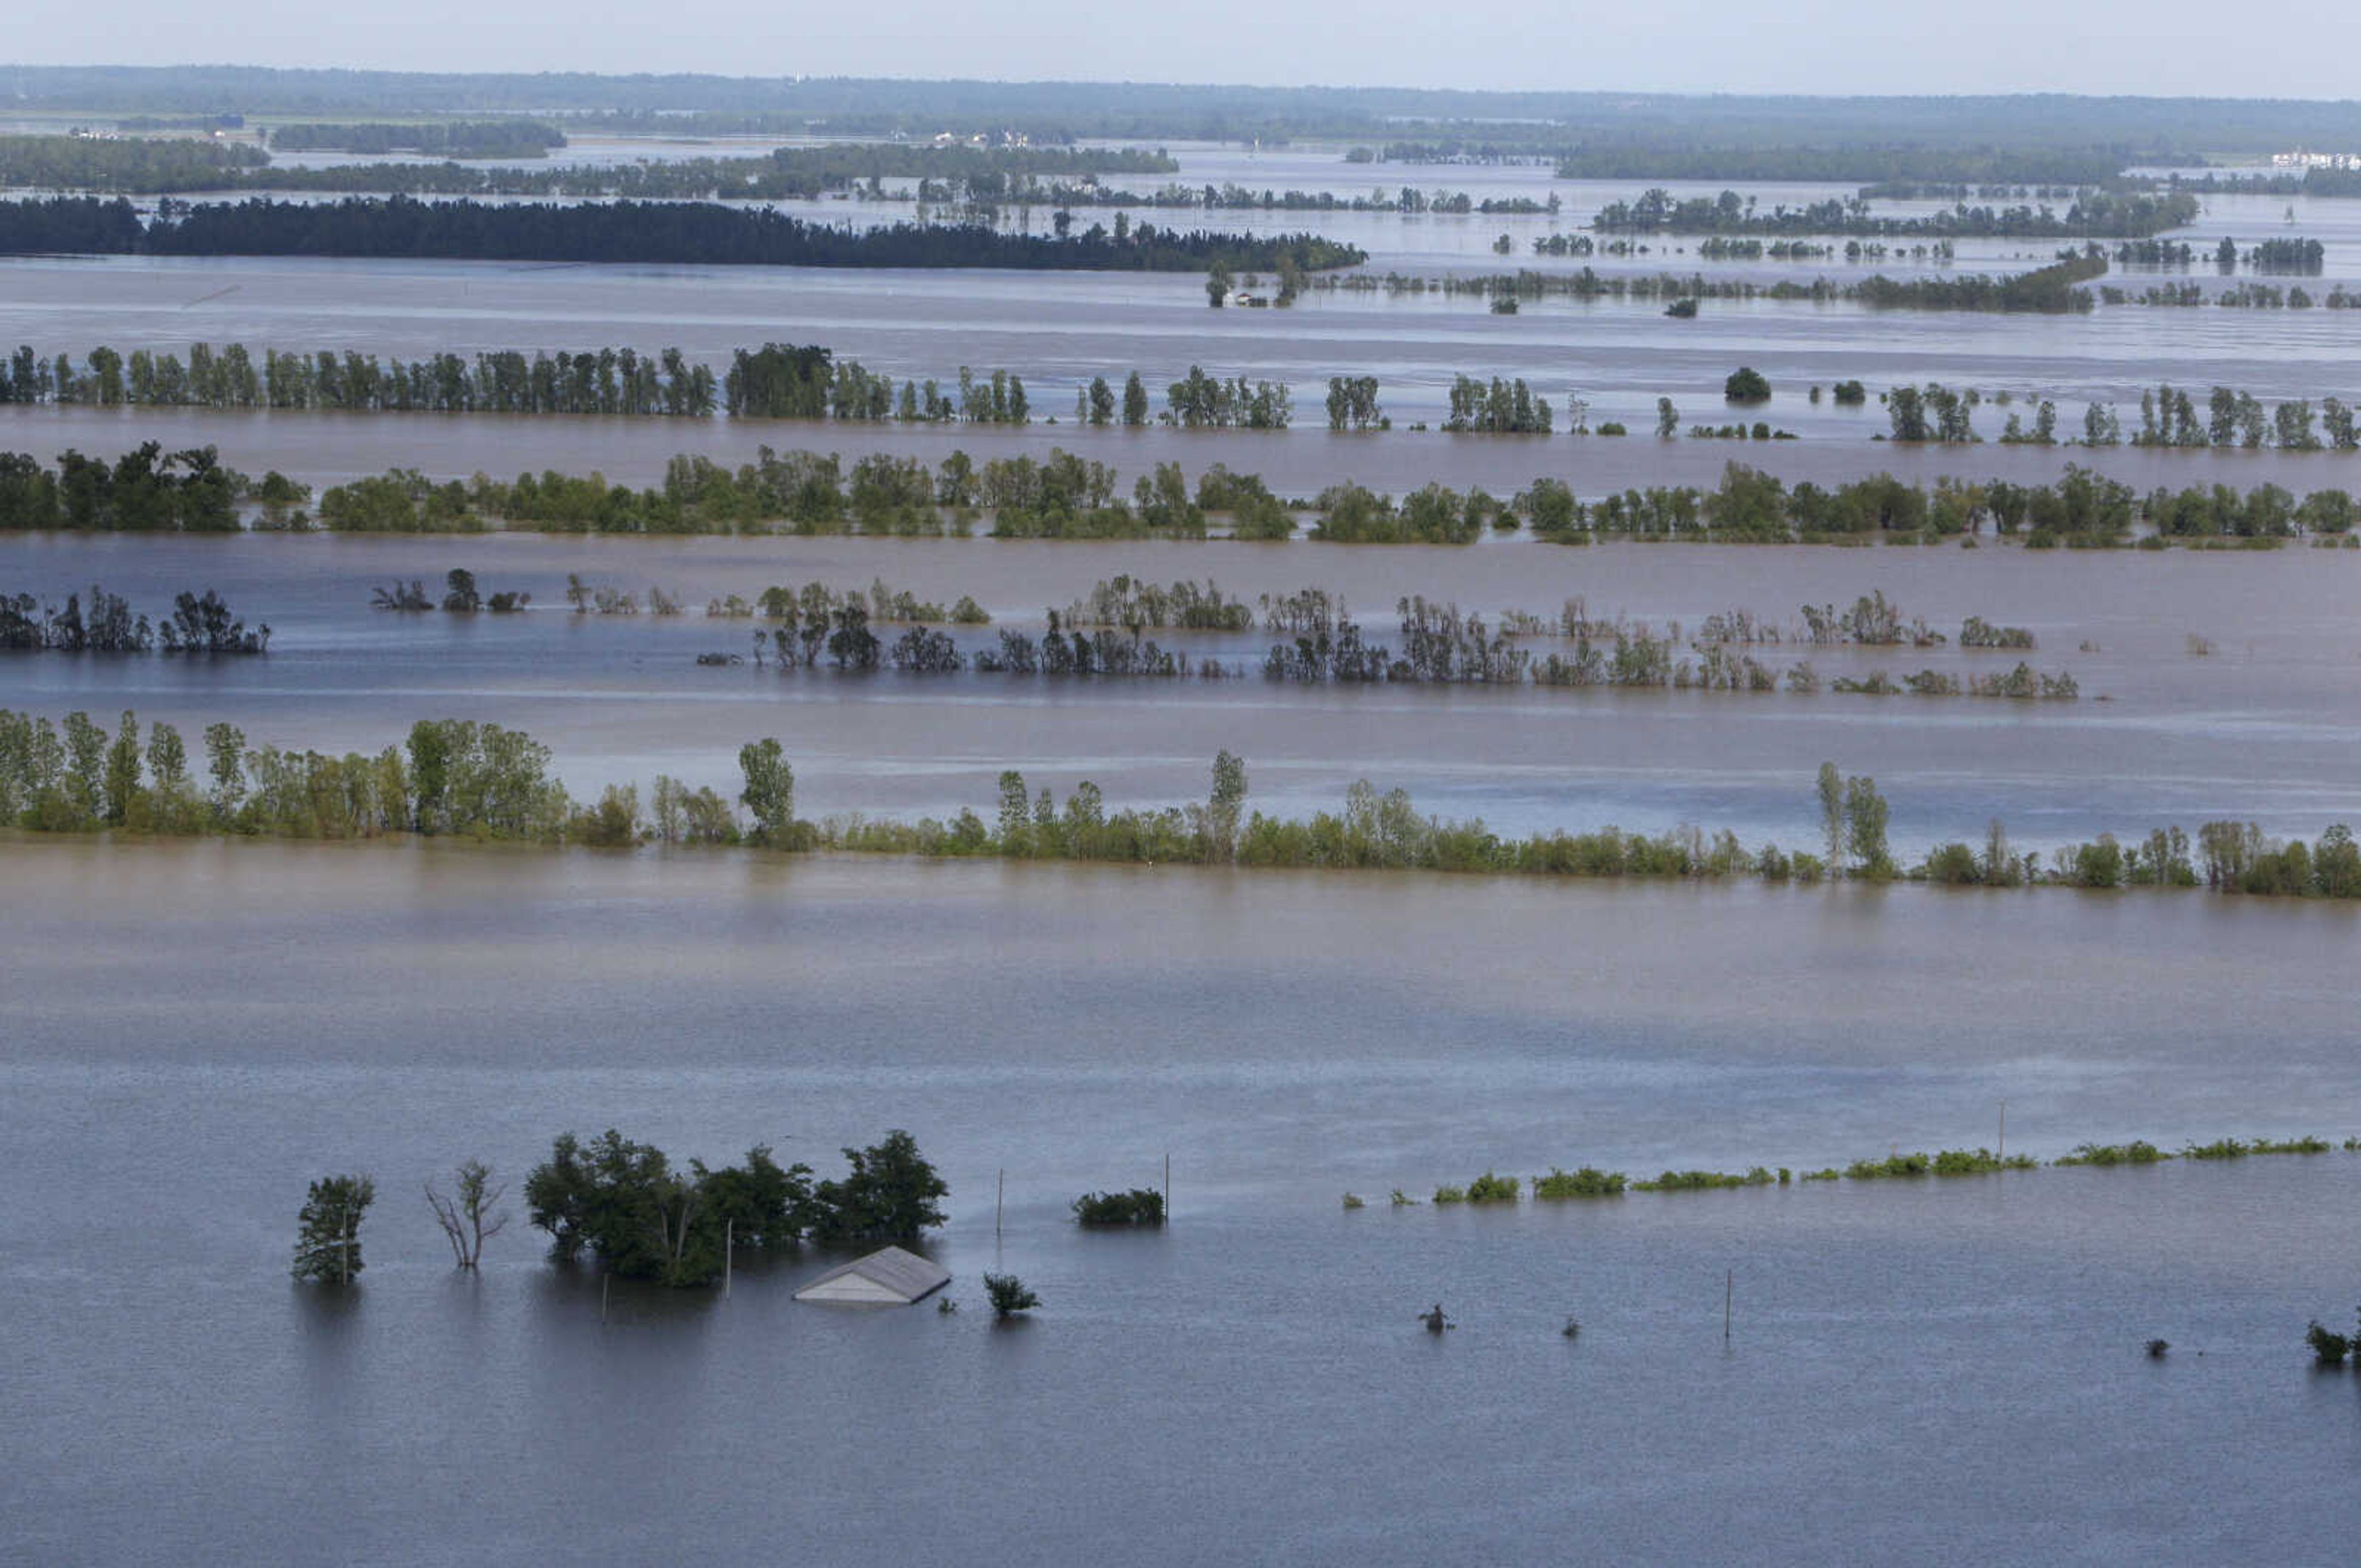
468	1218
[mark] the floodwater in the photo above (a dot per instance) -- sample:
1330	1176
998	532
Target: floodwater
1913	1371
2261	727
1916	1371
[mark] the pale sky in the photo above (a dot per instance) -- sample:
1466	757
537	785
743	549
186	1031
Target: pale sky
2302	48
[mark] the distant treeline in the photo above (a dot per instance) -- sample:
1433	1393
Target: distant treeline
505	137
458	777
640	232
2056	165
2095	212
149	166
2050	289
136	166
2143	130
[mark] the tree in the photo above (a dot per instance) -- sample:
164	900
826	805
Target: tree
467	1216
1135	401
889	1195
1865	814
1217	283
770	792
1222	812
123	769
327	1240
1668	419
225	764
1832	817
1746	385
1009	1295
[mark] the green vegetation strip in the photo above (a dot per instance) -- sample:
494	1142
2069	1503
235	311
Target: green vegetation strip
1592	1182
480	780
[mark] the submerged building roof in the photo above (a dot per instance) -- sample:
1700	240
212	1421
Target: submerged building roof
886	1278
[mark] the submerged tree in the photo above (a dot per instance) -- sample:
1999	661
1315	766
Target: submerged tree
328	1240
467	1214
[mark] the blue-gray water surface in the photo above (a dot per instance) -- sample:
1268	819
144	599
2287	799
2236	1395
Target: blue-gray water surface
1931	1371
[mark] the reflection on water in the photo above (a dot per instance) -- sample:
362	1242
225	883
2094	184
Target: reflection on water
194	1031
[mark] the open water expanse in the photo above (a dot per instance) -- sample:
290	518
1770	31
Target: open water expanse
1914	1371
1933	1371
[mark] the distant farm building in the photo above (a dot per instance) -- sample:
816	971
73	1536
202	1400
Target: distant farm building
888	1277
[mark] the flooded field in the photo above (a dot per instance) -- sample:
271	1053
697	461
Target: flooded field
1913	1370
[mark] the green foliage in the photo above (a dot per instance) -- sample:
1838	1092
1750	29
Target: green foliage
1450	1195
1009	1295
1704	1180
2220	1149
327	1240
1746	385
2328	1347
1898	1165
890	1194
1490	1189
1980	1162
1354	1200
2137	1151
1587	1182
1140	1206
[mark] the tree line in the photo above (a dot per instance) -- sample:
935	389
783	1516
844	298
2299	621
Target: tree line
508	137
2093	213
132	165
182	165
1068	497
108	625
454	776
144	490
681	233
639	1215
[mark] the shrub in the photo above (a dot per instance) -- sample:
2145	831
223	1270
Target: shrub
1978	1162
1451	1195
2220	1149
2139	1151
1703	1180
1490	1189
1140	1206
1896	1164
1849	394
1353	1201
1008	1295
2328	1348
1746	385
1588	1182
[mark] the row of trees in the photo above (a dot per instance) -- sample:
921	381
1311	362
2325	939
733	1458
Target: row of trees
676	233
145	490
2093	213
508	137
639	1216
593	381
197	625
2168	417
460	777
642	1217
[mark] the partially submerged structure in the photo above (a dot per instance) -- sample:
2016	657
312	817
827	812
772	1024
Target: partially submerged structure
886	1278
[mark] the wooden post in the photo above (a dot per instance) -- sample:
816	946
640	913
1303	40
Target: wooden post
1729	1291
605	1280
1167	1187
728	1242
999	1202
